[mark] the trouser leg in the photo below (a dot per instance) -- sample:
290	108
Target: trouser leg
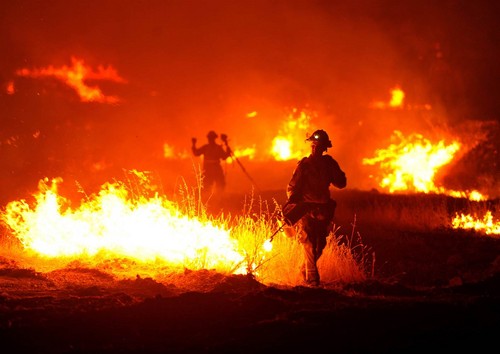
310	270
313	244
316	226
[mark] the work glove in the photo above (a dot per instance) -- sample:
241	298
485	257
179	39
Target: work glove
193	141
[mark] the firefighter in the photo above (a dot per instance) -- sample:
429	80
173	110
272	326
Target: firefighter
213	178
310	183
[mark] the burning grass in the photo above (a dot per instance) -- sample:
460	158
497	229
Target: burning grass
131	230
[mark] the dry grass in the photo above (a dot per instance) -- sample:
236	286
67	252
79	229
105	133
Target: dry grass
417	212
344	258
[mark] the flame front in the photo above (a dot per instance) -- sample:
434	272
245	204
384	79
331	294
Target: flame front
412	163
486	224
114	224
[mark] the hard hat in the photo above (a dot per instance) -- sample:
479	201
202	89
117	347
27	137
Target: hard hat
212	134
321	137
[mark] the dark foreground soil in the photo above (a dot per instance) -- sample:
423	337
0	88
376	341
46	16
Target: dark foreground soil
239	315
431	291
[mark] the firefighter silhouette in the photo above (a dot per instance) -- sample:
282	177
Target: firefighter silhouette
213	180
309	186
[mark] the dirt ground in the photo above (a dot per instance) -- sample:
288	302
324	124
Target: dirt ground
436	290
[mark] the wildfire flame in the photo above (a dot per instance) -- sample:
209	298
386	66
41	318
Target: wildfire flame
75	77
397	97
486	225
285	145
396	101
411	164
288	143
115	224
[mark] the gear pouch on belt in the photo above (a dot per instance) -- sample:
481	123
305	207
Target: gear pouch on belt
324	211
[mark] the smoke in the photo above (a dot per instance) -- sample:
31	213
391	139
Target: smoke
194	66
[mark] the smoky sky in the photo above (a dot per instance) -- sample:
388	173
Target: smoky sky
192	66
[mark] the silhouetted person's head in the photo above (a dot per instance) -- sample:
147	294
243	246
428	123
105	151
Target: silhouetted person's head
211	136
320	142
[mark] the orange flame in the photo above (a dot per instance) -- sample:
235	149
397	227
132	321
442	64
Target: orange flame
288	144
411	164
116	224
75	77
486	225
397	97
396	101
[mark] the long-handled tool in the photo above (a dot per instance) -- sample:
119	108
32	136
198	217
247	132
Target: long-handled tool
275	232
284	221
223	137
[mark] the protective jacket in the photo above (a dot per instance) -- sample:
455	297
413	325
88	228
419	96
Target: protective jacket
312	177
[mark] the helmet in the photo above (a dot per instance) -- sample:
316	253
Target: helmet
321	137
211	134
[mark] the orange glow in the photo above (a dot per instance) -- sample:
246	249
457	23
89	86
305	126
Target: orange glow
486	225
100	165
76	76
10	88
289	143
117	224
396	101
168	151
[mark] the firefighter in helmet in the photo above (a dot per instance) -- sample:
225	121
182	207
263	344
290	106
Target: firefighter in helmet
213	178
310	183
